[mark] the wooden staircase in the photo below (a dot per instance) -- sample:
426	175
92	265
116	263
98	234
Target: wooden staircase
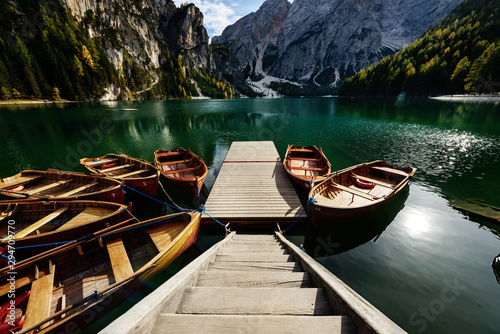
253	286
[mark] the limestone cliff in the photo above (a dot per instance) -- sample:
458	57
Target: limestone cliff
321	42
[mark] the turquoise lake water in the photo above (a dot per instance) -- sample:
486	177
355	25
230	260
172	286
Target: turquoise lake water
423	263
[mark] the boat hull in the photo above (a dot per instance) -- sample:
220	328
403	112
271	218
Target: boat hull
306	166
182	169
110	215
340	197
322	216
183	229
61	186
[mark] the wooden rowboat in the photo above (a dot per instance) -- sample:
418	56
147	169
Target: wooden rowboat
183	169
306	166
357	190
57	185
84	279
138	174
45	223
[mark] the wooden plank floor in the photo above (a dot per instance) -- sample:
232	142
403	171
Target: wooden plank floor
253	188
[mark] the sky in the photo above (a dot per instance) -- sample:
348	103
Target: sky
218	14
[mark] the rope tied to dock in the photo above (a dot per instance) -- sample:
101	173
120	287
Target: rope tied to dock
311	201
226	226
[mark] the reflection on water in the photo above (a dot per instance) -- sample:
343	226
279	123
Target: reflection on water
421	242
342	236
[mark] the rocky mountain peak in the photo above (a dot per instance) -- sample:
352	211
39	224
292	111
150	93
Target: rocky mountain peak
320	42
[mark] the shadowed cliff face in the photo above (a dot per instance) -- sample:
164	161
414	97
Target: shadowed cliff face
141	32
184	32
323	41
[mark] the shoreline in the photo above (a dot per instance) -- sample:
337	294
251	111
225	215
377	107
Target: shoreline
467	98
24	102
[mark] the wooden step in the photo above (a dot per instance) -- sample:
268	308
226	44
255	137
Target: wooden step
258	301
236	250
201	324
245	279
254	242
254	237
254	245
254	258
254	266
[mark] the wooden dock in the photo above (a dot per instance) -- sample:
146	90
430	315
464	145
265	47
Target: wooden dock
253	284
253	189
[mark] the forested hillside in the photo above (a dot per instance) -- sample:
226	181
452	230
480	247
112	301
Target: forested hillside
459	55
51	59
46	53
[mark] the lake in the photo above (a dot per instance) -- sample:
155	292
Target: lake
422	262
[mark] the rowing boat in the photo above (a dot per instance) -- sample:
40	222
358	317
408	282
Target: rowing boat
138	174
37	226
57	185
357	190
306	166
72	283
183	169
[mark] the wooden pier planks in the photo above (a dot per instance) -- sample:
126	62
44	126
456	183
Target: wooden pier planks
252	186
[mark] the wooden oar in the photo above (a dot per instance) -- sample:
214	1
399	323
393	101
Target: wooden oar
15	193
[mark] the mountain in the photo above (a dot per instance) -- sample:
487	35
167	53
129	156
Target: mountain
459	55
321	42
105	49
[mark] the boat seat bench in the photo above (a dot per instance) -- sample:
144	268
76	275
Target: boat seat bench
19	182
39	303
301	150
111	169
48	187
79	189
181	170
132	173
355	192
367	179
45	220
120	263
175	162
306	168
390	171
299	158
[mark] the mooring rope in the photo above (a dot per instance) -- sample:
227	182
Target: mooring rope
311	201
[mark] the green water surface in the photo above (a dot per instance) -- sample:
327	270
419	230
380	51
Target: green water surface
424	264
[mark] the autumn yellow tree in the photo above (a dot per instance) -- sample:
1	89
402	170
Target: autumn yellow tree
87	57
